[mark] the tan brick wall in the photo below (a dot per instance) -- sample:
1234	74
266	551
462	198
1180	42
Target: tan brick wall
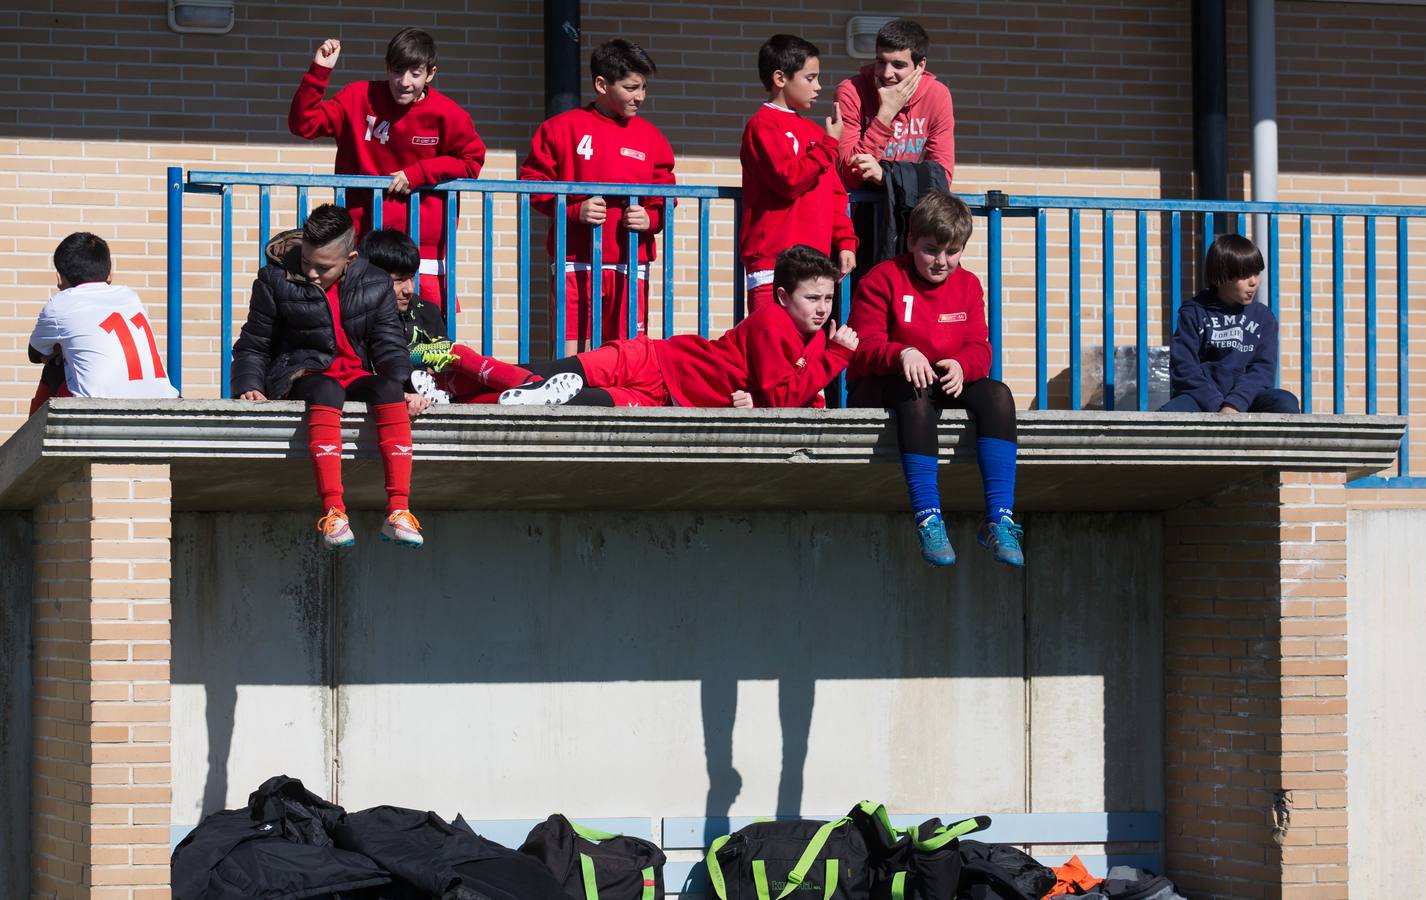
1255	676
102	784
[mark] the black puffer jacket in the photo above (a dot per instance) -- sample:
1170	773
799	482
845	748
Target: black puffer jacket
289	328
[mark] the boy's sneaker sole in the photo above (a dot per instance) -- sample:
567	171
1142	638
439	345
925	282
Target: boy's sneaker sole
556	390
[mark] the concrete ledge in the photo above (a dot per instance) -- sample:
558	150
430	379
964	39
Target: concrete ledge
233	454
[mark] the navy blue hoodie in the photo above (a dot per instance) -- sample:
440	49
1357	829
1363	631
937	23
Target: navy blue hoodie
1223	353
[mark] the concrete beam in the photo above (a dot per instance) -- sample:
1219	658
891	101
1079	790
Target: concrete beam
579	457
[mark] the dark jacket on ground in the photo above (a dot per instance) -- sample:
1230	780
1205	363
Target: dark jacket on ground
1223	353
289	331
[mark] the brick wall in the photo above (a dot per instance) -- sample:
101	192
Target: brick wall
101	790
1255	675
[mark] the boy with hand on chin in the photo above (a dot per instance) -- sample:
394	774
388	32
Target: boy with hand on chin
792	193
606	141
925	347
401	128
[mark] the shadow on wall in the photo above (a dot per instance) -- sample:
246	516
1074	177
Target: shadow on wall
16	643
552	603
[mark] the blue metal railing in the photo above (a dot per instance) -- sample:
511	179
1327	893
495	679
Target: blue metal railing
994	207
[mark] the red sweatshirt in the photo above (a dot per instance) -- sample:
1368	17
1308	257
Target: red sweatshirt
895	308
431	140
586	145
791	191
925	128
764	355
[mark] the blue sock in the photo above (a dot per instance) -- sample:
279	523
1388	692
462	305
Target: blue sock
922	484
997	475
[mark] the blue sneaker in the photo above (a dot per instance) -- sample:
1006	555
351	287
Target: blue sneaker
1003	539
935	546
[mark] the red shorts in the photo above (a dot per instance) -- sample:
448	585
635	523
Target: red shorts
44	392
614	324
629	371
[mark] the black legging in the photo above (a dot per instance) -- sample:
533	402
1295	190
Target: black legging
321	390
989	402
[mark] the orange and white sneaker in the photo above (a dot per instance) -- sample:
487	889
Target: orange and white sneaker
402	528
336	529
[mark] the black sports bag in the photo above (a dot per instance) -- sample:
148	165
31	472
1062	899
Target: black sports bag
798	859
597	865
922	862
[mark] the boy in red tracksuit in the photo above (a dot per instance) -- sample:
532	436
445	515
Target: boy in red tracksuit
779	356
895	110
605	141
792	193
924	348
402	128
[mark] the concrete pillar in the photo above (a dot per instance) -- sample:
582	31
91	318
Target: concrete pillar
101	788
1256	691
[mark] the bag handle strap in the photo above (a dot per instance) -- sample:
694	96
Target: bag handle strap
947	833
809	855
590	834
648	874
898	886
715	871
591	884
879	813
834	867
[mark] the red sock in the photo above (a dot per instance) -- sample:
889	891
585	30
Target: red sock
393	437
476	374
324	443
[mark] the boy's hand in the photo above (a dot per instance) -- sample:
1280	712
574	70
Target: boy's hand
593	211
834	124
894	97
327	53
955	378
252	395
1228	409
867	168
742	400
847	261
636	218
844	335
917	368
417	404
400	185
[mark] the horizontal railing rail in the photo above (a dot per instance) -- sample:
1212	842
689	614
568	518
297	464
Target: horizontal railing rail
1210	217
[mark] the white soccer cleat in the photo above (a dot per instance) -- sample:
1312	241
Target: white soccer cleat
425	385
556	390
402	529
336	530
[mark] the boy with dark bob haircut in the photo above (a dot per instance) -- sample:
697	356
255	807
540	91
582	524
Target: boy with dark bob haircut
925	347
791	191
780	356
1225	348
605	141
94	337
401	128
322	327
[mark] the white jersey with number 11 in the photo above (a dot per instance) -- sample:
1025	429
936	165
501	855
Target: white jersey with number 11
108	344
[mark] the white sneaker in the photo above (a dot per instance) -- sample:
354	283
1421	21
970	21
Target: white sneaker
336	530
553	391
425	385
402	528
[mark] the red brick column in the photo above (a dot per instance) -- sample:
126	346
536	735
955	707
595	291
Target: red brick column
1255	682
101	790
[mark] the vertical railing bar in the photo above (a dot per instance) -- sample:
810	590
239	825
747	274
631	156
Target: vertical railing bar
524	322
1369	235
225	309
447	275
413	217
631	280
1275	284
339	196
844	311
1339	315
995	299
301	205
1208	235
1141	304
1175	269
1042	382
1306	307
487	274
264	222
668	247
174	338
1403	331
596	286
378	209
1109	309
1074	310
740	278
703	222
559	273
